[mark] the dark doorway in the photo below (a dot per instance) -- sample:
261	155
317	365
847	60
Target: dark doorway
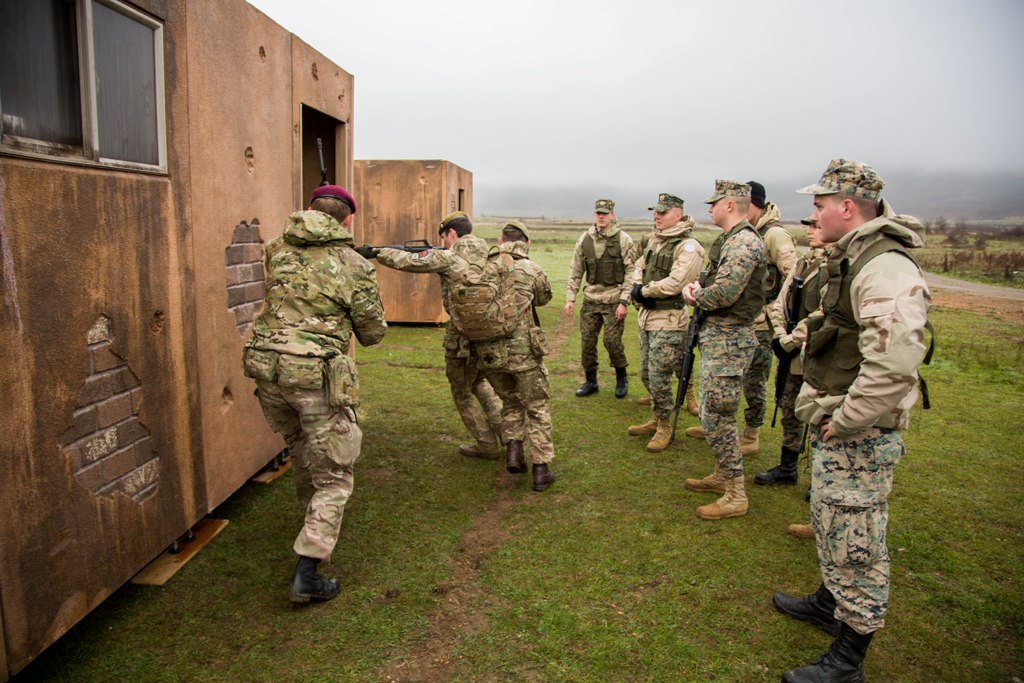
330	131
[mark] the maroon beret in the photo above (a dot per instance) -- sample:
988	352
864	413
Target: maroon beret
334	192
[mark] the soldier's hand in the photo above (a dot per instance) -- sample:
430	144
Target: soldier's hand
367	252
780	351
635	294
568	308
620	312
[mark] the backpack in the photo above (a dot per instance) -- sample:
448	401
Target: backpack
483	301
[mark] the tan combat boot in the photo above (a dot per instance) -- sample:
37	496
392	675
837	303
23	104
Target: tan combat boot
646	429
750	442
733	502
662	437
644	401
714	483
695	432
691	402
801	530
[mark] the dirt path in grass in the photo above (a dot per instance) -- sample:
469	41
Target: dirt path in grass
458	612
1002	302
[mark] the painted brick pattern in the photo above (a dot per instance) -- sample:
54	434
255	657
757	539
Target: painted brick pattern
110	449
243	259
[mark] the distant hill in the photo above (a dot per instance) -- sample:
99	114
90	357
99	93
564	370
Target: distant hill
927	195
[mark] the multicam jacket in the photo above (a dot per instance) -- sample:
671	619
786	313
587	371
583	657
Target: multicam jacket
450	266
889	301
687	259
526	345
319	291
597	292
780	251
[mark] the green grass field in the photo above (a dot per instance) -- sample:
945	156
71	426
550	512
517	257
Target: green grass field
453	570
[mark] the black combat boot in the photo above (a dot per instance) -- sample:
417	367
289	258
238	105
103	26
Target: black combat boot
543	477
817	608
515	463
621	383
590	386
783	473
843	663
308	586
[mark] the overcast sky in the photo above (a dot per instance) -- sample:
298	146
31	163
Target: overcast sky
649	95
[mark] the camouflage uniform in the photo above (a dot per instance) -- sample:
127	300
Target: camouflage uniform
515	365
475	399
600	300
319	293
663	330
731	299
876	310
780	251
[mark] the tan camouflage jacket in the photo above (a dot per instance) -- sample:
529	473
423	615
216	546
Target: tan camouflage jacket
891	303
603	294
319	291
776	310
780	249
688	260
447	264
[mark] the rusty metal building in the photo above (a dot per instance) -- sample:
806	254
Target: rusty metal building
403	200
148	149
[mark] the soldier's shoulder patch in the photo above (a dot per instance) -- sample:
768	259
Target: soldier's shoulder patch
690	245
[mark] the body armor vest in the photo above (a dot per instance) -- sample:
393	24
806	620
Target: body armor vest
610	269
832	360
772	280
657	266
751	301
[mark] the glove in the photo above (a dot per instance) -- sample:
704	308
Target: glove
367	252
635	294
781	353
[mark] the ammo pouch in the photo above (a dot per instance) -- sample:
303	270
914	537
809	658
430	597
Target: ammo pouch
300	372
260	364
492	355
342	382
538	342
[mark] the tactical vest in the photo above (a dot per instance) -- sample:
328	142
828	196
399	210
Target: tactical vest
483	299
810	295
832	359
610	269
658	266
751	301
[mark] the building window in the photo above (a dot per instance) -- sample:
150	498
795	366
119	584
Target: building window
82	81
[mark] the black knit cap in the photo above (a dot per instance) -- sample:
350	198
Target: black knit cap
757	195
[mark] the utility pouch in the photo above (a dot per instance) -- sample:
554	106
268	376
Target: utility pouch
342	382
300	372
538	342
816	337
259	364
492	355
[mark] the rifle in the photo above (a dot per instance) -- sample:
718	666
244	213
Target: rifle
792	314
323	168
411	246
686	370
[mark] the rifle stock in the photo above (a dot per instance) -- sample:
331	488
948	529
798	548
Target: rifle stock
686	369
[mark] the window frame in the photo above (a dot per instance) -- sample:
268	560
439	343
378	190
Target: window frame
88	154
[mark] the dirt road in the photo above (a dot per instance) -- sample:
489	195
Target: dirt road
1003	302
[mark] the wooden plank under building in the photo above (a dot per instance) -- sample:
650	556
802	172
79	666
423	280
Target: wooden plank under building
160	570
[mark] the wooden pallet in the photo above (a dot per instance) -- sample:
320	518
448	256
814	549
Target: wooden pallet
160	570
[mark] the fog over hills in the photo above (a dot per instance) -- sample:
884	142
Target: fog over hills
927	195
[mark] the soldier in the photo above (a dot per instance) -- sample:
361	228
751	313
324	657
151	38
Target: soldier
478	406
731	298
319	292
515	365
605	255
671	259
860	377
786	346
